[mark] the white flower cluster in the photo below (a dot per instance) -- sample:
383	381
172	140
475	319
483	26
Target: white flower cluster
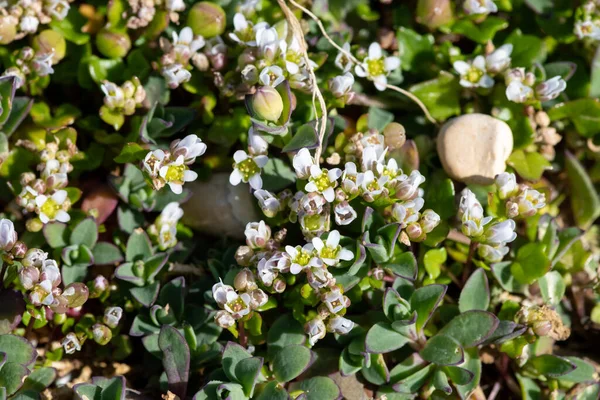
100	332
237	303
479	7
480	71
46	195
492	236
172	167
587	24
31	64
19	18
164	229
521	200
521	86
123	99
180	54
142	12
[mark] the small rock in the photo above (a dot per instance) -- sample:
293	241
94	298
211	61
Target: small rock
218	208
474	148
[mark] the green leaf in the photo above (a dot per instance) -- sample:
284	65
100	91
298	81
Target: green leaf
443	350
131	152
440	197
415	50
591	392
277	175
39	379
440	381
551	365
85	232
403	265
12	376
531	263
585	202
55	234
433	261
146	295
106	254
379	118
475	295
583	113
440	95
413	383
530	166
305	137
13	306
424	301
502	273
595	78
527	49
17	349
471	328
584	371
176	359
291	361
285	331
481	33
247	372
381	338
102	69
232	355
19	111
529	388
472	365
552	287
112	117
376	371
7	93
272	391
319	388
71	27
138	246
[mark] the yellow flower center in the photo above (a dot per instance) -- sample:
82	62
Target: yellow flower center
303	258
312	222
175	173
330	252
247	168
376	67
294	57
237	305
373	186
322	181
474	75
50	208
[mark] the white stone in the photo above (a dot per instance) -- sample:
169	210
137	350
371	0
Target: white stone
218	208
474	148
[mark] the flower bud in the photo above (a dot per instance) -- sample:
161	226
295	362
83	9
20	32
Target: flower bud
28	277
60	305
394	135
19	249
257	234
138	268
434	13
8	29
267	103
113	44
429	220
34	258
542	328
258	298
340	325
506	183
50	272
49	41
378	273
8	235
98	286
243	255
414	231
244	280
76	294
207	19
101	334
224	319
112	316
315	329
279	285
34	225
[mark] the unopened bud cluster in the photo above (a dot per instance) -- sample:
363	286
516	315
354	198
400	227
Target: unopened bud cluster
101	331
164	229
521	200
522	87
124	99
21	18
142	12
30	64
171	167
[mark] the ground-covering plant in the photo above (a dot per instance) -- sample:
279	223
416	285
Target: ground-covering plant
274	199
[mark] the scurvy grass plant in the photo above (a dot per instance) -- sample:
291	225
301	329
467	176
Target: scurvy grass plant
367	271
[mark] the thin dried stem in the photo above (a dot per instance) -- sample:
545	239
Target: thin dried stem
321	126
355	60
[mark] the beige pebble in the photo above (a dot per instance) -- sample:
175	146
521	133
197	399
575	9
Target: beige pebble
474	148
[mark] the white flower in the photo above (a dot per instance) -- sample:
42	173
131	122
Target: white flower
269	204
42	63
243	30
238	305
175	75
551	88
42	294
291	55
302	163
340	325
349	178
220	291
473	75
500	233
176	173
57	8
271	76
71	343
408	188
376	67
315	329
323	181
258	298
319	278
267	41
186	44
50	272
112	316
342	61
526	204
8	235
249	7
330	251
518	92
334	300
302	257
247	169
266	272
587	28
34	258
114	97
371	187
189	147
374	148
256	143
499	60
429	220
50	208
257	234
224	319
175	5
167	236
407	212
470	213
29	23
153	162
506	184
344	213
341	85
170	215
479	6
492	254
